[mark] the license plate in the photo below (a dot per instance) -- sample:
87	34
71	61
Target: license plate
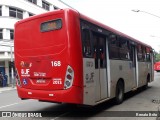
40	81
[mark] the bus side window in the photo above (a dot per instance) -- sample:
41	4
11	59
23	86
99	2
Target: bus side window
124	49
113	47
99	50
95	47
139	53
102	50
143	53
87	51
148	59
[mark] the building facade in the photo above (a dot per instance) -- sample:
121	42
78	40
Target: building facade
10	13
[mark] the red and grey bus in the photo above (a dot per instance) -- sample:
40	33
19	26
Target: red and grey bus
64	56
157	66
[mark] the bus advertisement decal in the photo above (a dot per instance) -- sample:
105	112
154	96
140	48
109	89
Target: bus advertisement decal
25	72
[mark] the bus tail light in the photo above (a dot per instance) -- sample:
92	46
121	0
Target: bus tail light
18	79
69	77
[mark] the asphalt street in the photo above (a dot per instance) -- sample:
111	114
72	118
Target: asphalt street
133	107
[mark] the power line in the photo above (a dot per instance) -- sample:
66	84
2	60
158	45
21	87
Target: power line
146	13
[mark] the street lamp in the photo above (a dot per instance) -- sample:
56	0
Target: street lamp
154	36
134	10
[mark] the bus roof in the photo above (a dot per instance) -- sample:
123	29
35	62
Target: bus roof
85	18
111	29
58	11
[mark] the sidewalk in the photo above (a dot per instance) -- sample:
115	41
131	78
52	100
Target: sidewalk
2	89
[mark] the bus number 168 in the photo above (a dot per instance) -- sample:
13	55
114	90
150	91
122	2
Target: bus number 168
56	63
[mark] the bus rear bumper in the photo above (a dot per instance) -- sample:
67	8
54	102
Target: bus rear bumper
72	95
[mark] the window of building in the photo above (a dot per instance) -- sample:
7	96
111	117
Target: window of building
1	53
45	5
11	34
55	8
15	13
1	34
0	10
30	14
33	1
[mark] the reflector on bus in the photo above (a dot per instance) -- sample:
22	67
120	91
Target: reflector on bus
51	25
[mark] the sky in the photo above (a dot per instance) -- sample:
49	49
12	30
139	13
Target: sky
118	14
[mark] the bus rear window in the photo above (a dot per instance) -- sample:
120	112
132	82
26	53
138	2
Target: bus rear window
51	25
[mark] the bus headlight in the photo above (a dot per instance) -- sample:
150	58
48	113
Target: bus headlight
69	77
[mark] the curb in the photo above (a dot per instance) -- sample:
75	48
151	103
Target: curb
6	89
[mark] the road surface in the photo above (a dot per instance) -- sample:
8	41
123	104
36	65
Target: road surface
135	103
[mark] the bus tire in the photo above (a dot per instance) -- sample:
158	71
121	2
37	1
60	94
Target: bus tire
119	92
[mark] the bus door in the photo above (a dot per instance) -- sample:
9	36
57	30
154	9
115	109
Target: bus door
101	87
134	66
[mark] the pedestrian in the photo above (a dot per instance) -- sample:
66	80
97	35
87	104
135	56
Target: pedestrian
1	79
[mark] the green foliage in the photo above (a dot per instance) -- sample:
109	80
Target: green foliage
157	57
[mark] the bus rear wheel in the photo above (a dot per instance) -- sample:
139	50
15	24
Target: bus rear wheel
119	92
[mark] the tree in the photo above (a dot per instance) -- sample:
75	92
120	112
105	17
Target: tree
157	56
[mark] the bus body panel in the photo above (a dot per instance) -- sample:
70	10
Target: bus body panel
75	57
121	70
61	96
45	60
144	71
157	66
38	51
42	58
89	78
95	83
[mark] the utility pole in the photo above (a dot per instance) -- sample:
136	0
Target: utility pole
12	72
